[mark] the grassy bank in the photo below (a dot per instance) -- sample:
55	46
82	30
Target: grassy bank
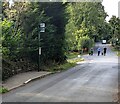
118	53
71	55
116	50
75	60
68	64
72	59
61	67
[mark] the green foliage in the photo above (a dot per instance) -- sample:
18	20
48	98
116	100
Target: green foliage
69	26
84	42
3	90
75	60
56	12
20	32
84	19
10	41
118	53
116	49
63	66
114	24
71	55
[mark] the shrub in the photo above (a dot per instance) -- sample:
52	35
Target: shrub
3	90
85	43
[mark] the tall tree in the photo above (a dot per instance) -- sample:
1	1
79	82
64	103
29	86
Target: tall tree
114	23
85	19
26	17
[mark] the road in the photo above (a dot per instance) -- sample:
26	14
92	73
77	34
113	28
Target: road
94	80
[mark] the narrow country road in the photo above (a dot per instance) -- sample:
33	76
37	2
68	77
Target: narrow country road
95	80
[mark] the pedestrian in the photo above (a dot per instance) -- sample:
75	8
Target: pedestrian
102	53
98	51
91	51
104	50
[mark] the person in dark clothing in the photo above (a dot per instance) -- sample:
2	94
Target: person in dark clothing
104	51
91	51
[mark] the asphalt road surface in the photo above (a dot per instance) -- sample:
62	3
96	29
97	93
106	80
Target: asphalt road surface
94	80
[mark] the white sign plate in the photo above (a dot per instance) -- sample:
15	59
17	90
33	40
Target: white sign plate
42	24
39	50
42	29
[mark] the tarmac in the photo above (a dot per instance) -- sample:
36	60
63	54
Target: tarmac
23	78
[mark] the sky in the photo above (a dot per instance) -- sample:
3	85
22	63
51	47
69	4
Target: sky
11	3
111	7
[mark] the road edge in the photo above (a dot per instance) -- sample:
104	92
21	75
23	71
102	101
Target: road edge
29	80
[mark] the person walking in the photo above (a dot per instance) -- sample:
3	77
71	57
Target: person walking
91	51
98	51
104	50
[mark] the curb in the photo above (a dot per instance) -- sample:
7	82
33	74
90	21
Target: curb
35	78
28	81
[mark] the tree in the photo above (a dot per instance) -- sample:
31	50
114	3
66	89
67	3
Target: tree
84	19
21	28
26	18
114	23
10	42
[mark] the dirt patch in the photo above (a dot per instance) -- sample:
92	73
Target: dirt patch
11	68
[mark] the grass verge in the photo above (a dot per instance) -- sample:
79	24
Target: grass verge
69	64
75	60
118	53
3	90
71	55
61	67
116	50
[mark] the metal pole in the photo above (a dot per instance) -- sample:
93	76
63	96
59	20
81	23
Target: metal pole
39	52
42	27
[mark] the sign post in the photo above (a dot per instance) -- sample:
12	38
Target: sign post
42	29
39	50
